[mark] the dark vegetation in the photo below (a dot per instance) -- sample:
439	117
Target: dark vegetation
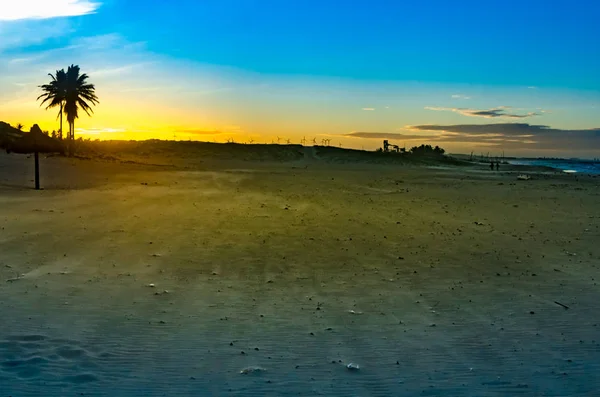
154	149
199	151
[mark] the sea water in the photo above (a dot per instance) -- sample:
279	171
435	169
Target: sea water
565	165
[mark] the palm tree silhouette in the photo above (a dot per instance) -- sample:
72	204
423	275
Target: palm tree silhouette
79	94
19	127
55	93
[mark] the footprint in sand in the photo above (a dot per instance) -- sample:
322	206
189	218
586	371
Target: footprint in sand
41	358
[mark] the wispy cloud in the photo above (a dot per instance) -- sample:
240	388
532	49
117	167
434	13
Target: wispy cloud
506	135
386	135
369	109
19	34
98	131
500	111
44	9
198	132
459	96
118	70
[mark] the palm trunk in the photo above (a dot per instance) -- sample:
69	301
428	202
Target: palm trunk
60	134
72	138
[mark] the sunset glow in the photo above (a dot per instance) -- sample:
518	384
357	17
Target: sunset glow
224	70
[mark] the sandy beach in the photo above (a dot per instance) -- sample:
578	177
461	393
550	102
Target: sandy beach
170	279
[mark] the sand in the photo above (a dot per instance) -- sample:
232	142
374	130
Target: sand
128	279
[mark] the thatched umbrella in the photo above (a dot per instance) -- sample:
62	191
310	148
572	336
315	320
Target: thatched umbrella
8	134
35	141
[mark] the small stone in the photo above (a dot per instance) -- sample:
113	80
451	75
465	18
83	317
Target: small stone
252	370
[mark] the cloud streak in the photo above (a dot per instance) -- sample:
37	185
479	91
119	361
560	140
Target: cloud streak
515	136
499	112
198	132
386	135
45	9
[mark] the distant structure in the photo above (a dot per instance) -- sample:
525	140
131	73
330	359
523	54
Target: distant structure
396	148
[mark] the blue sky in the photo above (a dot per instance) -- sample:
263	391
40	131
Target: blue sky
529	43
261	69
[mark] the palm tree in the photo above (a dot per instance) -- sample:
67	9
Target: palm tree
55	93
19	127
79	94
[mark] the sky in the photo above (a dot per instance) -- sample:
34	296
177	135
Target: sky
515	77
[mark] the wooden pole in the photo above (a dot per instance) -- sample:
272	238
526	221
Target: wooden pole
37	171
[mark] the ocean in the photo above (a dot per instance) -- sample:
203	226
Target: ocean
565	165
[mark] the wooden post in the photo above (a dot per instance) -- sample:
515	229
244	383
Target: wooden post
37	171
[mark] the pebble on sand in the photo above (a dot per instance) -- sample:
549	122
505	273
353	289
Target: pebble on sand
252	370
